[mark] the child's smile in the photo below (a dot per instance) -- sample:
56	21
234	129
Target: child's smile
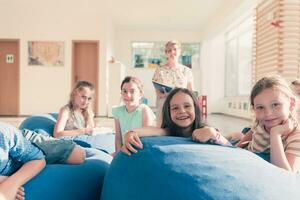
182	110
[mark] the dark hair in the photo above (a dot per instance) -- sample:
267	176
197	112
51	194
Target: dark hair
78	87
172	128
135	80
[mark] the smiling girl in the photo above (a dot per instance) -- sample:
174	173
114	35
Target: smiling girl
181	117
133	114
276	129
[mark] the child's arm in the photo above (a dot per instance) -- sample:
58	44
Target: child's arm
277	154
118	136
9	187
149	131
133	138
207	134
148	116
89	117
245	140
59	129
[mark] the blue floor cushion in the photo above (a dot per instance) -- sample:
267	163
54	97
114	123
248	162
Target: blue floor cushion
177	168
43	123
76	182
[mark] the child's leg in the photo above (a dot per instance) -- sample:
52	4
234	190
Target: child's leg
77	156
56	150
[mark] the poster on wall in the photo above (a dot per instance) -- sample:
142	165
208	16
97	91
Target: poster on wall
42	53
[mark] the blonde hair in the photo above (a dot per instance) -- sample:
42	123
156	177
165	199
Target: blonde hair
78	87
274	82
171	43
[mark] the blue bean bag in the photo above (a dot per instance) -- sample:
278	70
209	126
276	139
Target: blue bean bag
178	168
61	182
44	123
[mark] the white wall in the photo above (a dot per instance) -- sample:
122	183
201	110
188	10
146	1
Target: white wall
213	55
209	77
213	70
46	89
124	54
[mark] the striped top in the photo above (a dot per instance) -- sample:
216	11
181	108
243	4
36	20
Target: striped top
260	142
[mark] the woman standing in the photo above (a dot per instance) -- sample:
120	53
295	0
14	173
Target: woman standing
172	74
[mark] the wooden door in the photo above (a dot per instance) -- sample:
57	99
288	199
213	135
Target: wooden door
9	77
86	64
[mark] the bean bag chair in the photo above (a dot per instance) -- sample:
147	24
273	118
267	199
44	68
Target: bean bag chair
44	123
76	182
178	168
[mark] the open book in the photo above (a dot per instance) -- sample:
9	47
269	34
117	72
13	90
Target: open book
161	87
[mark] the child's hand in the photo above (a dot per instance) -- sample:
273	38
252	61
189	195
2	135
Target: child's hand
204	134
88	131
131	138
283	129
89	111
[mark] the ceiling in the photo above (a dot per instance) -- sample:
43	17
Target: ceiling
164	15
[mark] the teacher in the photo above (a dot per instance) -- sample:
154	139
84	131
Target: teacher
172	74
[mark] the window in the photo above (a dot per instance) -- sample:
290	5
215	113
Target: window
238	59
151	54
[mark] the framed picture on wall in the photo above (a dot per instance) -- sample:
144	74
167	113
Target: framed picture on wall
46	53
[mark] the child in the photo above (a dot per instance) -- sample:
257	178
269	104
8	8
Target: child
76	118
23	155
276	129
181	117
132	114
20	161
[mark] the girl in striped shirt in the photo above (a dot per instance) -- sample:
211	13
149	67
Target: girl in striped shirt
276	130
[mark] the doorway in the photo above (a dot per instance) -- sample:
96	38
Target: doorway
85	58
9	77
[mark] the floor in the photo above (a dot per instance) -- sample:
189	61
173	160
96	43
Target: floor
224	123
227	124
